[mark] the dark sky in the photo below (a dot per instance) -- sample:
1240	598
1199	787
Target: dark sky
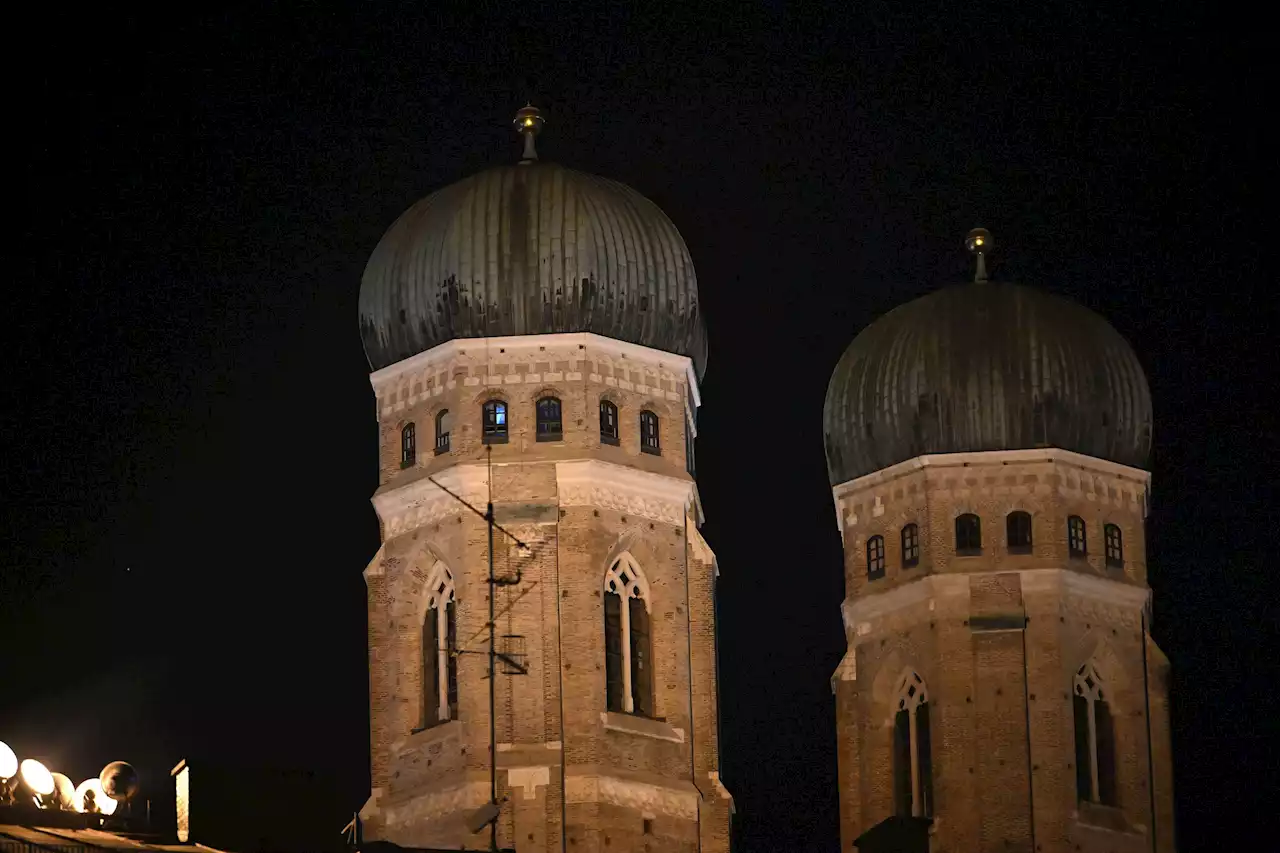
188	441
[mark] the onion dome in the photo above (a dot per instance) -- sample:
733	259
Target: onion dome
985	366
525	249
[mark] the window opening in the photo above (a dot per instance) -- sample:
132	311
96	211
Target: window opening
912	749
1115	545
910	546
1076	536
649	440
408	446
444	426
628	664
1017	526
550	425
1095	738
608	422
495	422
439	651
875	557
968	534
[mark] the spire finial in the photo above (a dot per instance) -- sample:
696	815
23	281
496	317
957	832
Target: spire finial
528	123
979	243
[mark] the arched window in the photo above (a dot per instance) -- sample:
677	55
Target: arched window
649	442
1017	529
910	546
912	750
608	423
875	557
550	425
968	534
628	663
408	446
1115	545
444	426
439	651
1095	739
1075	536
495	422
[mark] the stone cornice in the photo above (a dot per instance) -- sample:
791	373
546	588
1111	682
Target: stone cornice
677	800
604	485
421	501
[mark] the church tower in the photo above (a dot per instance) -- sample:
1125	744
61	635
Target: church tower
536	347
987	448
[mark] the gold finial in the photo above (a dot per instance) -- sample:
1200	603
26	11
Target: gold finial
979	243
528	123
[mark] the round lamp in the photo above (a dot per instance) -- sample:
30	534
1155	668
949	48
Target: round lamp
8	762
36	776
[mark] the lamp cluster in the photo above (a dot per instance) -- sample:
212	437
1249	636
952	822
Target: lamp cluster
30	783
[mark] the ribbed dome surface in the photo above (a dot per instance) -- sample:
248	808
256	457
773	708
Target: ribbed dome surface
985	367
530	249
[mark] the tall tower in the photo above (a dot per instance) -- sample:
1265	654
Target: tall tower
536	343
987	446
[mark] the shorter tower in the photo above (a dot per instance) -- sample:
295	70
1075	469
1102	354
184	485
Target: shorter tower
987	446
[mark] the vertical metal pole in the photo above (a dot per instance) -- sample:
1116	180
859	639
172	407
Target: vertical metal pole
1146	705
493	705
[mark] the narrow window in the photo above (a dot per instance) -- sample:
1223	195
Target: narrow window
910	546
1095	739
875	557
550	426
689	464
912	750
1017	527
1115	545
408	446
439	652
444	425
495	422
968	534
1075	536
627	644
649	442
608	423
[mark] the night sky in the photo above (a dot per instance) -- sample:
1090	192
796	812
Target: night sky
187	435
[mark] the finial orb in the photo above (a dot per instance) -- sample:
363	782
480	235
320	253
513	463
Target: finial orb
979	241
528	120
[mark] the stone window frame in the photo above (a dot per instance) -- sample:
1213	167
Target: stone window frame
626	580
968	529
1113	540
1077	537
910	545
1095	738
408	445
444	430
875	557
441	605
610	426
495	428
1019	539
912	743
650	432
548	418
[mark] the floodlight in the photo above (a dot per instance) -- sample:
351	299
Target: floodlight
97	801
64	792
119	780
36	776
8	762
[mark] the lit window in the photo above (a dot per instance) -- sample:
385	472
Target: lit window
1017	528
444	426
910	546
1115	545
628	664
912	750
408	446
495	422
608	422
649	441
1076	537
1095	739
550	426
875	557
968	534
439	651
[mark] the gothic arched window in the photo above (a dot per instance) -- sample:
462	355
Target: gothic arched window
608	422
1095	739
439	651
875	557
444	426
408	446
1017	529
494	419
1076	542
1115	545
968	534
550	425
910	546
912	750
628	655
649	441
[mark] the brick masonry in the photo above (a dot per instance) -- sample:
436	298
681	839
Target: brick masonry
571	775
997	638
